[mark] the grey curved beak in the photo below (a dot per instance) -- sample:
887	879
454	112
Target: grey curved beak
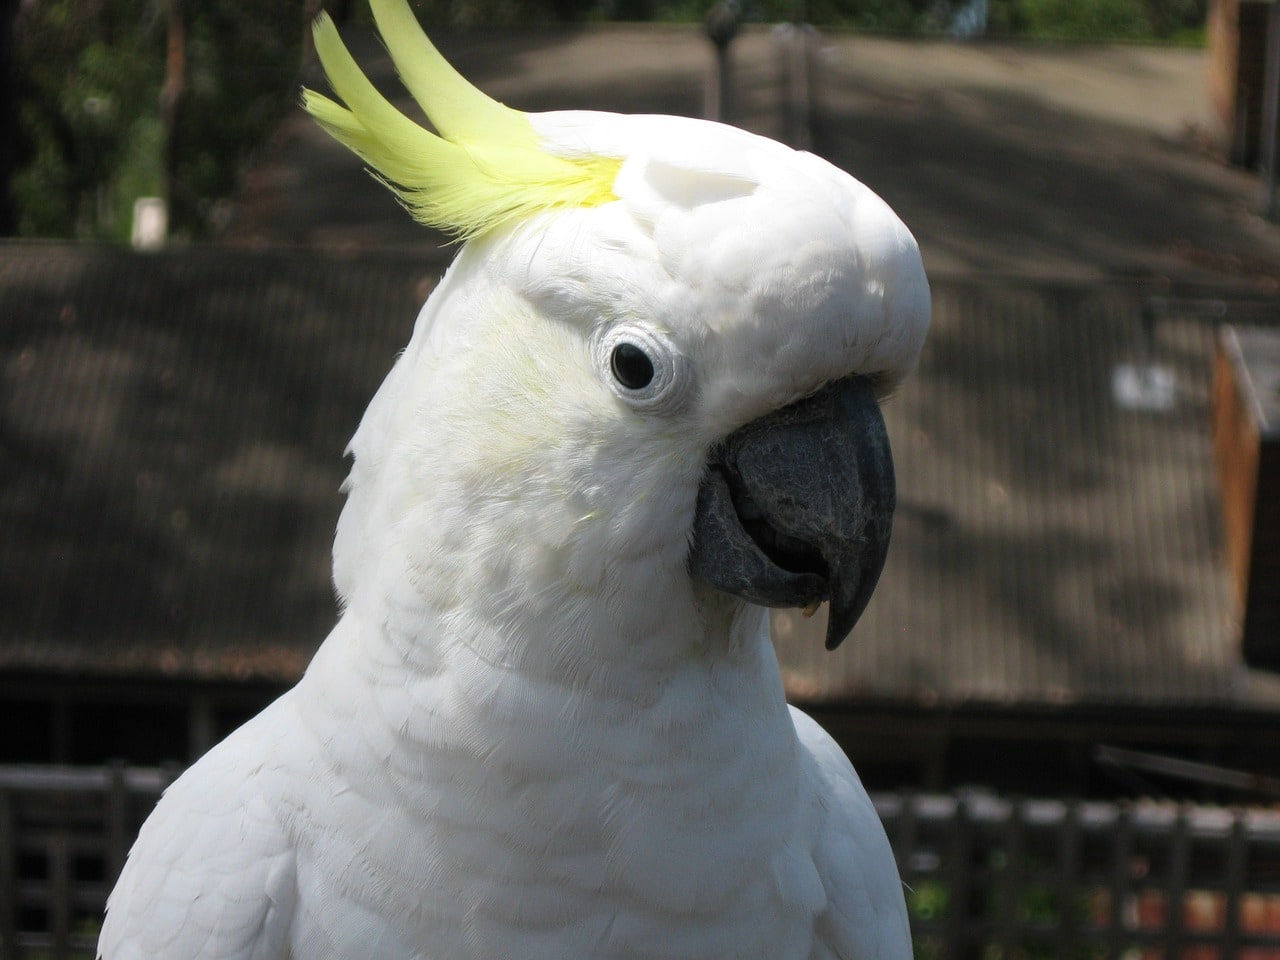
797	506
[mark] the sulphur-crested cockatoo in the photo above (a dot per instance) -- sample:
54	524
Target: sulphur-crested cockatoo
642	404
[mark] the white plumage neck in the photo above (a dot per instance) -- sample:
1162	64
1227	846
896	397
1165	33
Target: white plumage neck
677	802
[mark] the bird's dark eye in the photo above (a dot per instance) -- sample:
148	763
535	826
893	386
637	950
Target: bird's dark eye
631	366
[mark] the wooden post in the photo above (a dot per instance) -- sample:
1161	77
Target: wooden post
1270	108
175	77
9	126
1246	437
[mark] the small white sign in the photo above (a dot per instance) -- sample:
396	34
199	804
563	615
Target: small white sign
150	223
1143	387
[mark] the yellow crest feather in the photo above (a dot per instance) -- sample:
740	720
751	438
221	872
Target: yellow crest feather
486	166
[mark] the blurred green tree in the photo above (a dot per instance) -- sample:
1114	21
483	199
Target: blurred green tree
85	81
94	130
108	100
242	72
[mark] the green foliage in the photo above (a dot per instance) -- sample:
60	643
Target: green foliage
881	16
928	900
1086	19
243	59
1103	20
90	74
138	175
1093	20
90	126
1180	20
888	16
472	14
87	75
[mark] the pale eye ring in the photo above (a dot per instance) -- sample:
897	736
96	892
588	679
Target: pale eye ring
643	367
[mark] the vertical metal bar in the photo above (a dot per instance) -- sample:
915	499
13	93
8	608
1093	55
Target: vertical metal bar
1068	879
799	124
117	812
1121	867
8	877
1233	884
908	832
1176	886
713	92
721	26
906	836
60	730
1270	108
958	873
59	891
1008	932
200	726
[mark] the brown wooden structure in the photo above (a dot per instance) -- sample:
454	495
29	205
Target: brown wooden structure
1246	416
1237	31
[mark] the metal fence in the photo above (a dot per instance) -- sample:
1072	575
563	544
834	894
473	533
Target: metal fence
989	878
64	833
997	878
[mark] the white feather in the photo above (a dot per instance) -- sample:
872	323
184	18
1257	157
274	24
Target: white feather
532	734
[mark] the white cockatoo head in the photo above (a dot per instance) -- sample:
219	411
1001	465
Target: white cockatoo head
647	391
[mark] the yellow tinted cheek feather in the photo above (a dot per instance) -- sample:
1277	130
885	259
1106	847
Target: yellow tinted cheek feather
485	169
516	404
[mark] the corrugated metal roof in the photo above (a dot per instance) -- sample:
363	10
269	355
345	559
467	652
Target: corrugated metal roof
173	424
1058	532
